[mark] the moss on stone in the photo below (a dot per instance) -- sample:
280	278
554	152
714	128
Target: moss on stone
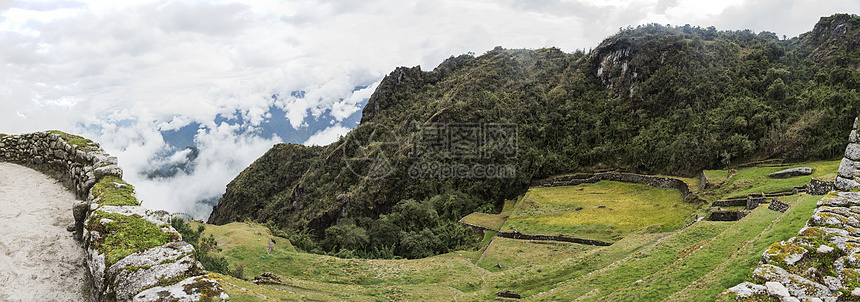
779	250
126	235
108	193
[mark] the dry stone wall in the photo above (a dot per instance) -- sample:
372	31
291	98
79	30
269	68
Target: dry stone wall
132	254
848	175
821	263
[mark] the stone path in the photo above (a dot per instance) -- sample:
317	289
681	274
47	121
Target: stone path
39	259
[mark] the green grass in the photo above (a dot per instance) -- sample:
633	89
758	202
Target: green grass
511	253
754	180
489	221
109	194
126	235
605	211
693	264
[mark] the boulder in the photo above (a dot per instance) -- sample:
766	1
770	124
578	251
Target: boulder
796	171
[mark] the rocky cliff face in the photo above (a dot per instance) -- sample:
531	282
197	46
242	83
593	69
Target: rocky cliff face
833	39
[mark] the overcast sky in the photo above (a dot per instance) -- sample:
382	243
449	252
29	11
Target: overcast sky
119	71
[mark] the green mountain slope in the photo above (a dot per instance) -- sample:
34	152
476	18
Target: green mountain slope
654	99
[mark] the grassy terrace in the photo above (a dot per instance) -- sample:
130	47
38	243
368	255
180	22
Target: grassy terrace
754	180
605	211
491	221
647	263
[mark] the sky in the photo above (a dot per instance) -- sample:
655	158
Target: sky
119	72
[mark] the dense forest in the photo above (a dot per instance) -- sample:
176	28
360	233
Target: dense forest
651	99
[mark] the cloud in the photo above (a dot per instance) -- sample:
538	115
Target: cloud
327	136
120	71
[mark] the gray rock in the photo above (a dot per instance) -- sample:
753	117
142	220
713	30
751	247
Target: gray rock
186	290
795	171
853	137
856	292
852	151
776	289
108	170
847	168
144	269
832	283
748	289
79	210
842	199
824	249
798	286
784	252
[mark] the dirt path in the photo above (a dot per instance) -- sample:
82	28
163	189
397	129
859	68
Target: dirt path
39	259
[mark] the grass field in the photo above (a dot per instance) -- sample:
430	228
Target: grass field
605	210
491	221
649	263
755	180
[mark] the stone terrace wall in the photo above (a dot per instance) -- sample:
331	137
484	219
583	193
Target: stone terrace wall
132	254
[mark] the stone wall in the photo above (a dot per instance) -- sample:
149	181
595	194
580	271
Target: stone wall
521	236
132	254
654	181
848	175
821	263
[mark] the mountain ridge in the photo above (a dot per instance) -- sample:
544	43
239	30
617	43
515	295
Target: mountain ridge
653	99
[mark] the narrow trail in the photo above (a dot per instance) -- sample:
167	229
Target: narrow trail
39	259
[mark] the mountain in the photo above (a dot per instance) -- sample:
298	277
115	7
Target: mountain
433	146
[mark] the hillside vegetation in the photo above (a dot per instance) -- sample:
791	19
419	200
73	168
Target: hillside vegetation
695	263
651	99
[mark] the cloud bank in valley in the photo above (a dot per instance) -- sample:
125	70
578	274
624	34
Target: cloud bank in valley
240	76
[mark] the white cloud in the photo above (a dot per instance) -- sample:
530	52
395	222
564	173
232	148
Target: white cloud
119	71
327	136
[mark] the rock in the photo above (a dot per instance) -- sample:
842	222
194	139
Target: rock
776	289
145	269
856	292
108	170
832	283
783	252
847	168
267	278
824	249
508	294
853	137
70	227
200	288
790	299
797	171
748	289
852	151
119	185
797	285
79	210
